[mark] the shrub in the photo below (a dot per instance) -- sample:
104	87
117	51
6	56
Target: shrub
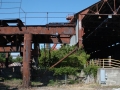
64	70
91	70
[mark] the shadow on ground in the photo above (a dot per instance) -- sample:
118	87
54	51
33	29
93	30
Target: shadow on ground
11	78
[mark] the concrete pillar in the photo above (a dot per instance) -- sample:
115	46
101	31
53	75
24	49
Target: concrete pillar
27	60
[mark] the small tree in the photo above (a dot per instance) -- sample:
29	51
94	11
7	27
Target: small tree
2	57
69	65
65	70
18	59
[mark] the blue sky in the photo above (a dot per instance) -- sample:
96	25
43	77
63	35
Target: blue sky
69	7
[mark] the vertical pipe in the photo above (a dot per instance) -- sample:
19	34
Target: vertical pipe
80	32
27	60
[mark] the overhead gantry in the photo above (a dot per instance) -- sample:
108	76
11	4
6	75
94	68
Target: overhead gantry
20	37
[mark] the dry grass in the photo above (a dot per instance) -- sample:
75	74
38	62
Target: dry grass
16	84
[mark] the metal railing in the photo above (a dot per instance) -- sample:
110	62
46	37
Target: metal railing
105	63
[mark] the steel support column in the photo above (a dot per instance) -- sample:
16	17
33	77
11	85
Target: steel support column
80	28
80	32
27	60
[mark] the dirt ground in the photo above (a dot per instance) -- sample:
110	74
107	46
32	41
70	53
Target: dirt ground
15	86
74	87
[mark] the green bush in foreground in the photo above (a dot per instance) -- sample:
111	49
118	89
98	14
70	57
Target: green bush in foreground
91	70
64	70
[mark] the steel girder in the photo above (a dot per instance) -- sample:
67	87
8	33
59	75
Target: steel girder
61	30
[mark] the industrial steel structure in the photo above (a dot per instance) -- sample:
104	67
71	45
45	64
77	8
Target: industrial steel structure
98	27
28	35
16	36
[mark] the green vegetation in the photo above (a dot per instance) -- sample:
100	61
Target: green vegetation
91	70
17	59
71	65
2	57
18	82
33	83
65	70
52	83
11	59
73	81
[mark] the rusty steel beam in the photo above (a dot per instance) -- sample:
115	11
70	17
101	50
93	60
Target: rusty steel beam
98	9
53	47
64	58
80	28
61	30
10	49
27	60
60	40
92	14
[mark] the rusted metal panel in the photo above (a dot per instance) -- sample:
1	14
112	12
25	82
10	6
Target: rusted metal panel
27	60
10	49
38	30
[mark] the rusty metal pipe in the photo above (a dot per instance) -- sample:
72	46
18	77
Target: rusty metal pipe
53	47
